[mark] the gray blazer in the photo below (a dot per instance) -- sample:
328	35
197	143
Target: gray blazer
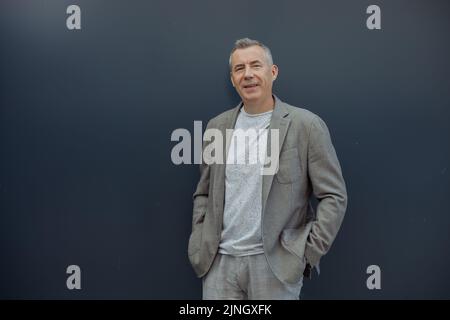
293	234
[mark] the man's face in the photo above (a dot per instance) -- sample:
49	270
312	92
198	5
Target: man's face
251	74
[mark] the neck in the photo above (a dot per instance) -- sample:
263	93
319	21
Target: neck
259	106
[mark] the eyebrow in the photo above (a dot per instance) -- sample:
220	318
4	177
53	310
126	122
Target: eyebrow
252	62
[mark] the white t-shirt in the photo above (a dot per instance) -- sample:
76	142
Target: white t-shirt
241	234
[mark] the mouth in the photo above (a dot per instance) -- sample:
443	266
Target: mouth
250	86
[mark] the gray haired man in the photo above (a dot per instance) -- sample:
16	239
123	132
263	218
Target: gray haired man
254	235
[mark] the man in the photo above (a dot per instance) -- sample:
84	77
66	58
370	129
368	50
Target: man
255	235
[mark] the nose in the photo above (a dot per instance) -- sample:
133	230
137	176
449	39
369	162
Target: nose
248	73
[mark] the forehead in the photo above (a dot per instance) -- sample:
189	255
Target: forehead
247	55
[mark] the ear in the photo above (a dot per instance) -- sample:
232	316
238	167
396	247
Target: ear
232	82
274	72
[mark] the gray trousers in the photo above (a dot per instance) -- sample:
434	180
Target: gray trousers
247	277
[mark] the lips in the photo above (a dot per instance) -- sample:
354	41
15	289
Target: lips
251	85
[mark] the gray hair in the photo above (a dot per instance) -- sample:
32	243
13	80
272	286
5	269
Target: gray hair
245	43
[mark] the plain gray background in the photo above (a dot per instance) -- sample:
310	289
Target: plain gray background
86	118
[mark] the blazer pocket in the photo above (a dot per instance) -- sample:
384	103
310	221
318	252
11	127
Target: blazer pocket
294	240
288	166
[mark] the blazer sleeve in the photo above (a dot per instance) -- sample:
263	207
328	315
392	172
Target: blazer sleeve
328	187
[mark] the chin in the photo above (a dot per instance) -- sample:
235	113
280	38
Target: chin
252	97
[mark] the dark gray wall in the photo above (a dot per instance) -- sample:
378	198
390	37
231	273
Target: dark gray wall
86	116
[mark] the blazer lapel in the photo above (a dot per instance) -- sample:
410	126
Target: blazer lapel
281	123
278	121
219	176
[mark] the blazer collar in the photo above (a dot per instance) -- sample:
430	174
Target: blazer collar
279	111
